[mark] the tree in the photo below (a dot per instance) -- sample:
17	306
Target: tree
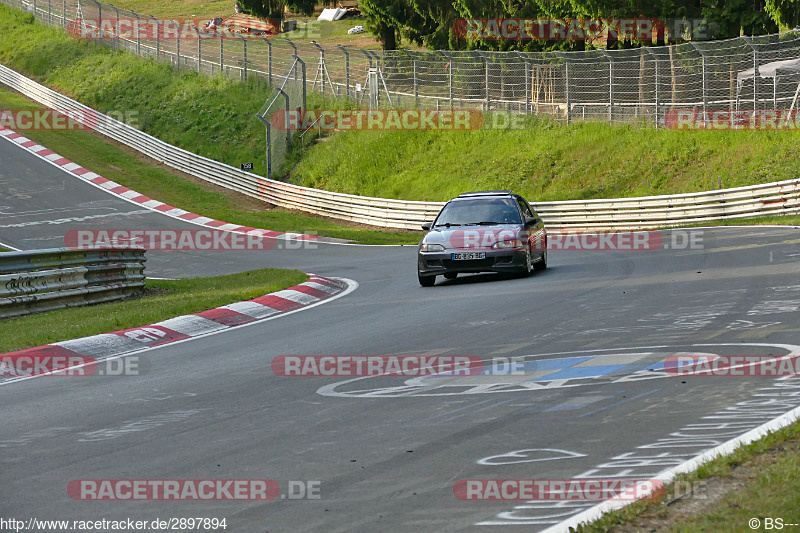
785	13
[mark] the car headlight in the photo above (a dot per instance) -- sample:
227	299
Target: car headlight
431	248
511	243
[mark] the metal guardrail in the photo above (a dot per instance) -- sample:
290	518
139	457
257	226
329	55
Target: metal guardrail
777	198
43	280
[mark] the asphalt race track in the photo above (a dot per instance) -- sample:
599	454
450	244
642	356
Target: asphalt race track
386	452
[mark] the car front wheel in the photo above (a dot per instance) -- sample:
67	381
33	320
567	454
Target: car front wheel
426	281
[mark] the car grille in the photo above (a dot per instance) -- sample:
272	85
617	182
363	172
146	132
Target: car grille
469	263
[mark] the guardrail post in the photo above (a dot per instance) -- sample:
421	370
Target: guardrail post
221	56
346	69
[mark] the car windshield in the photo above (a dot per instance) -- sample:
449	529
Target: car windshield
484	211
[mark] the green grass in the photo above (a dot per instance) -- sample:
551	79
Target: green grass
166	299
774	492
139	174
548	162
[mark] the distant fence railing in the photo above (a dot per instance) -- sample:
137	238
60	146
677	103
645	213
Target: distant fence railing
777	198
43	280
615	85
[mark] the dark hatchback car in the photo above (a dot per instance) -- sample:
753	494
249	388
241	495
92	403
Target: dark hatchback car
488	231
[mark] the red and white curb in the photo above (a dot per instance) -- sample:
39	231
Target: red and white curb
134	197
109	345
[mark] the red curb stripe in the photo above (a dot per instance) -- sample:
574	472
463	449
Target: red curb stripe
215	223
276	302
80	171
325	281
28	144
45	152
163	208
119	189
226	317
310	291
151	335
189	216
141	199
48	350
99	180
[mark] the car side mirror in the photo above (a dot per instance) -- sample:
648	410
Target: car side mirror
427	226
531	221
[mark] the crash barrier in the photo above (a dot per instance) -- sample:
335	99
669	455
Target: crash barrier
778	198
43	280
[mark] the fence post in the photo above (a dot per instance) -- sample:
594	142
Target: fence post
116	28
527	82
64	13
416	85
321	67
703	76
221	56
244	59
199	49
158	35
346	70
567	74
449	75
487	93
610	85
655	58
138	36
269	62
178	43
267	127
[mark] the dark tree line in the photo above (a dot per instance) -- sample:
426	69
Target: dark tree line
429	23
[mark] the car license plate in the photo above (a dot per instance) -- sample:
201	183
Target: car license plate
467	255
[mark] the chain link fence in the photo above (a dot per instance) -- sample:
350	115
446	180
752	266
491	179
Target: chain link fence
619	86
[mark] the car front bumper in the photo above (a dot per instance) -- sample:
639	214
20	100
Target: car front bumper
435	263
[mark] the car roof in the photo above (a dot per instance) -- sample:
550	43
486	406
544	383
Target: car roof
484	193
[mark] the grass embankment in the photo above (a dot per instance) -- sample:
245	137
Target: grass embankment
756	481
164	299
210	116
549	162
